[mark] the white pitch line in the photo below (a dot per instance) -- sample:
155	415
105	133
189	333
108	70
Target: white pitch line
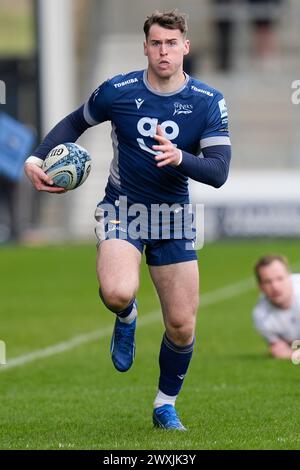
227	292
71	343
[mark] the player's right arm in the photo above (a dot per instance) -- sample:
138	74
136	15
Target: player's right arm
68	129
39	179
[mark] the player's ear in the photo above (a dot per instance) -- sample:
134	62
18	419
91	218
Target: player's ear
186	47
145	48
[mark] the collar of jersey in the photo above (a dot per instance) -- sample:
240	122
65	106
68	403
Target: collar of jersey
149	87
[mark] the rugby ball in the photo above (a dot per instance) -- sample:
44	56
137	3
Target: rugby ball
68	165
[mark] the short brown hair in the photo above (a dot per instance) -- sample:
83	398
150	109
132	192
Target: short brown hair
266	261
170	20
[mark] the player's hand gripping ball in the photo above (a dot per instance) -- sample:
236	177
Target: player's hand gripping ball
68	165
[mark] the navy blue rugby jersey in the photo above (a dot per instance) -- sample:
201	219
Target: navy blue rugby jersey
193	117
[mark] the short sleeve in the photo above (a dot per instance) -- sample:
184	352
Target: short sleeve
216	131
98	107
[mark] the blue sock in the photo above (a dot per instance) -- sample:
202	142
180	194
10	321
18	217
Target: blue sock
174	362
124	313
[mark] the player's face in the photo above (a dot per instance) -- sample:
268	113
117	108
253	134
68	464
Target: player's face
276	284
165	49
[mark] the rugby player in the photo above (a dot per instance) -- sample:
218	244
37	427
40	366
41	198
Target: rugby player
277	312
166	127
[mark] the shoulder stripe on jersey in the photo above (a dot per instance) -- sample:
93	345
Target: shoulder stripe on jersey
216	140
87	116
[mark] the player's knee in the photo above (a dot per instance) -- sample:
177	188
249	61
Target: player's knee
181	333
116	299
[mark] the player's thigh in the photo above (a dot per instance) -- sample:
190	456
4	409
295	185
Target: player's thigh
177	286
118	263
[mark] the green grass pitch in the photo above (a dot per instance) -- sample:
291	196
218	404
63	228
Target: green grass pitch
234	397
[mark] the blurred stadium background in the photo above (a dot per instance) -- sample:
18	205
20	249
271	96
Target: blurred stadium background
54	53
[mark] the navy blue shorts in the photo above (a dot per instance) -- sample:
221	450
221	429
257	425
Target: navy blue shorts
159	252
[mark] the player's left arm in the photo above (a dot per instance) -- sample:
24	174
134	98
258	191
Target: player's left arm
212	169
212	166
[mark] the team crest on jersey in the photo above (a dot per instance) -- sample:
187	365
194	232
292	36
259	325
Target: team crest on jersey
182	108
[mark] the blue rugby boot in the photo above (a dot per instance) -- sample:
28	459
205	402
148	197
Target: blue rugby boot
122	346
165	417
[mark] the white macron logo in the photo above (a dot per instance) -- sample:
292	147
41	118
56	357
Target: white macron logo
139	102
